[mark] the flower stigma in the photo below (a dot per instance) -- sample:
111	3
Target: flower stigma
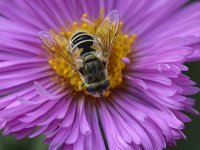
122	46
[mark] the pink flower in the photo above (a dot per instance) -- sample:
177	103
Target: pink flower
146	105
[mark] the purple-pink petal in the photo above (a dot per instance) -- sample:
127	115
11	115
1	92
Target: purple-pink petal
145	112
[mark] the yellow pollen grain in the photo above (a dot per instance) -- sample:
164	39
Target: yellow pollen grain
121	49
75	23
69	33
84	25
84	15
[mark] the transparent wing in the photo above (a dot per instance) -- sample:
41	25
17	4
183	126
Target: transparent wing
58	46
106	33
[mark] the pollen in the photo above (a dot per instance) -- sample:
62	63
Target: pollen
122	47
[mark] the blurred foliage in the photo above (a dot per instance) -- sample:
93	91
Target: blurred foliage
10	143
192	130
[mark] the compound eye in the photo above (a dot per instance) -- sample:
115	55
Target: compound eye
91	88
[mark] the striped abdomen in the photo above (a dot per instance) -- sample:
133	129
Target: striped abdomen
82	40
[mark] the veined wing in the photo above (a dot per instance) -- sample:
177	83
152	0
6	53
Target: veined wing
106	33
58	46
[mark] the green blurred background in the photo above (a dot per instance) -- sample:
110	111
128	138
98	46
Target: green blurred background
192	130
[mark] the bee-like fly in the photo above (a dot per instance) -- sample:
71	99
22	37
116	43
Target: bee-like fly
87	54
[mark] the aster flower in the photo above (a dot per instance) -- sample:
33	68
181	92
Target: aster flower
148	95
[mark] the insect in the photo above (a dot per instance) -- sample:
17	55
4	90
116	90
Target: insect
87	54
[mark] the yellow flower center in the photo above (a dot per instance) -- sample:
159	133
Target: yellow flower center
121	49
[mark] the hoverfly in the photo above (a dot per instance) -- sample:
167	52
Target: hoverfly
87	54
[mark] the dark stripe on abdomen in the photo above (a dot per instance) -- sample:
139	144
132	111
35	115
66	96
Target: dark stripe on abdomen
81	37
